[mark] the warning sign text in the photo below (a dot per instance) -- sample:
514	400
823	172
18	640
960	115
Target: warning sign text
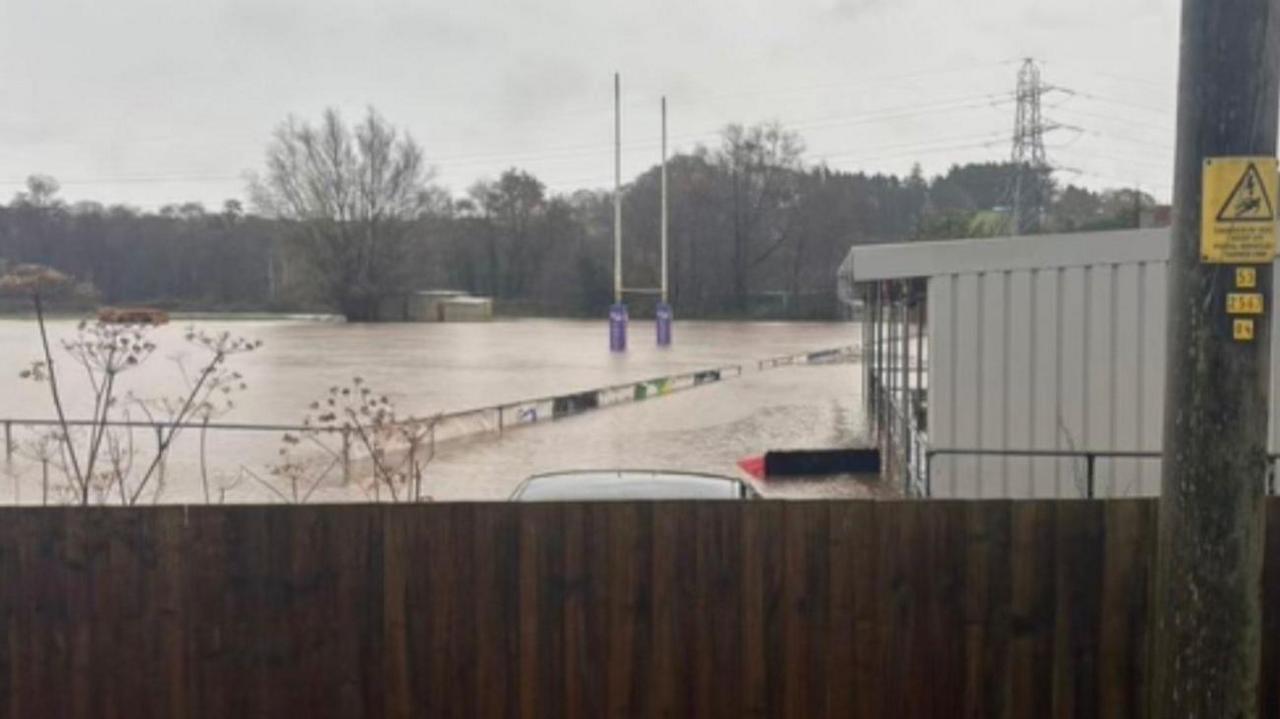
1238	210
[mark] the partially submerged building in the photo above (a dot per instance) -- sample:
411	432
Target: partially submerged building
435	306
1025	366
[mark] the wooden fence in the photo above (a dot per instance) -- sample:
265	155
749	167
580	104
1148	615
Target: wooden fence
902	609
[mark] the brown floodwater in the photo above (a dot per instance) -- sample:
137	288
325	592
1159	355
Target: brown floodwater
430	368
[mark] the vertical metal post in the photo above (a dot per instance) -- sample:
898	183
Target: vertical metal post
618	311
663	310
877	377
887	374
886	359
868	347
878	344
920	322
1089	469
617	189
905	407
928	474
159	448
346	456
1207	625
872	330
665	299
862	314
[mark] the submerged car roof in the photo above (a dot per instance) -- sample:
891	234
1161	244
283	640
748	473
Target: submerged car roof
588	485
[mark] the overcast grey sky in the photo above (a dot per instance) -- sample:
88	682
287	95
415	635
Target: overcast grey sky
148	102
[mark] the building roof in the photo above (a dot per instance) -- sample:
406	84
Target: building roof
865	263
439	293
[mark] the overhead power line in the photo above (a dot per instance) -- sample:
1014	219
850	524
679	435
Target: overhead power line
982	140
1163	147
1164	164
1108	73
587	150
846	165
1144	122
1163	111
1114	182
1028	134
853	84
134	179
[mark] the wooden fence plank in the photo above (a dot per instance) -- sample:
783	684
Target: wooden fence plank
1077	590
531	581
462	627
210	593
866	676
593	584
628	540
945	642
432	597
804	616
762	632
1032	568
496	601
392	550
688	631
905	566
1270	679
1122	636
987	592
10	630
838	658
664	550
573	604
719	570
553	591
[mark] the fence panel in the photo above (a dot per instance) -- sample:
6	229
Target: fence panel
905	609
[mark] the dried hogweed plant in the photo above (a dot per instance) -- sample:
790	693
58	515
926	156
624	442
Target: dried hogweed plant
98	456
209	392
397	449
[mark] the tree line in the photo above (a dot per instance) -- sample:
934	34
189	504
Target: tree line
343	216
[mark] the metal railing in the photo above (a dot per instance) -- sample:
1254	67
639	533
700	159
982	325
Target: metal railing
1090	457
492	419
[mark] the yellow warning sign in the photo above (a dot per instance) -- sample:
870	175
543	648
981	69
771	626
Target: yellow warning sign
1242	330
1244	303
1238	210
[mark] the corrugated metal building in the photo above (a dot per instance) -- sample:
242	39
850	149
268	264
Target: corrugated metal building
1045	358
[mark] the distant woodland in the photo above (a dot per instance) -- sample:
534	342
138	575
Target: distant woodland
755	229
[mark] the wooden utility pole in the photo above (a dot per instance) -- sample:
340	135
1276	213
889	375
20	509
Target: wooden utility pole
1207	613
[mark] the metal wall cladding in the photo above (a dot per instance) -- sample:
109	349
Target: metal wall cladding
1068	358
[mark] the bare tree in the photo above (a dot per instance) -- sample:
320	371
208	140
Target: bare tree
41	192
511	208
763	163
352	194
